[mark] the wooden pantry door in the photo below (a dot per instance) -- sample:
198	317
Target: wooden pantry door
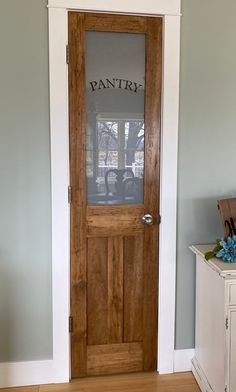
115	65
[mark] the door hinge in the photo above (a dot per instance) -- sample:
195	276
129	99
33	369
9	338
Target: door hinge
67	54
69	194
226	388
159	219
227	322
70	324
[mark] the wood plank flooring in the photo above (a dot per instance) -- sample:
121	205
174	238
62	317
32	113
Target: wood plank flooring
138	382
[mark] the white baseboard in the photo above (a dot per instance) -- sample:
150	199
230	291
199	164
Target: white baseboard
182	360
15	374
200	376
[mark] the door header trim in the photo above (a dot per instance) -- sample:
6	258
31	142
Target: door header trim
149	7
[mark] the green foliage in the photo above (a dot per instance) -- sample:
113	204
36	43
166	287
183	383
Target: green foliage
209	255
212	253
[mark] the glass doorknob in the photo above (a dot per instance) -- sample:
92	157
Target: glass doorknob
147	219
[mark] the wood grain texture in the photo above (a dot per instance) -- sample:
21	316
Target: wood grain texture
100	281
115	289
115	358
21	389
137	382
114	23
97	291
152	186
78	182
114	220
227	209
133	289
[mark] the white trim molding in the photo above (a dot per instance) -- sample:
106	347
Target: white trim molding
168	195
59	190
183	360
57	370
200	376
13	374
156	7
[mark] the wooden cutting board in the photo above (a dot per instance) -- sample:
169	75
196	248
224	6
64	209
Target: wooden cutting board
227	208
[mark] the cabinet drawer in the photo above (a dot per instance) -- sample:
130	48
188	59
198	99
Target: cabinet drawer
232	294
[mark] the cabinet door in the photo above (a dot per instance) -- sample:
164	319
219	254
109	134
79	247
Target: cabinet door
210	324
232	350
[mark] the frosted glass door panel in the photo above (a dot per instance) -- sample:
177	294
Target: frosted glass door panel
115	91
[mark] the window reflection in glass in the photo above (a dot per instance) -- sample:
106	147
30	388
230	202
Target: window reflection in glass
115	169
115	91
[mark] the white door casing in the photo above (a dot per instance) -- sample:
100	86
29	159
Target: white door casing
58	16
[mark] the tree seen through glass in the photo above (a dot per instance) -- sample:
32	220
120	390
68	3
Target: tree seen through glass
115	162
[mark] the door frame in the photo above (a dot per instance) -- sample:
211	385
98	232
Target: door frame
59	130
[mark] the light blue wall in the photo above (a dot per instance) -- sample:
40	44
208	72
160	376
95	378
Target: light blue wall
25	239
207	162
207	139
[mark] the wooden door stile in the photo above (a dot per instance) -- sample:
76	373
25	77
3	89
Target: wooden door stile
114	256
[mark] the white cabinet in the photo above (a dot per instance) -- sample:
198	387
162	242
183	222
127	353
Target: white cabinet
214	364
232	350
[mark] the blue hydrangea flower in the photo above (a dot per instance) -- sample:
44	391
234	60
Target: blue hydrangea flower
228	250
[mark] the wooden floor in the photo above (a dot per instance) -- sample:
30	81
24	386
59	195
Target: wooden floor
139	382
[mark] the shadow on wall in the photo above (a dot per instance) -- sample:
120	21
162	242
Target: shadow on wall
207	219
8	323
6	344
199	220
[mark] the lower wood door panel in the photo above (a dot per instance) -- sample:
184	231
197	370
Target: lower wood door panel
115	304
115	289
133	288
114	358
117	332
